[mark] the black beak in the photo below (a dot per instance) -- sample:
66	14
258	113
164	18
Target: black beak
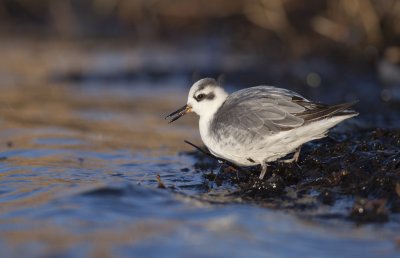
178	113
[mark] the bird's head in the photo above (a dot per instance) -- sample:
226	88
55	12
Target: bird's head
204	99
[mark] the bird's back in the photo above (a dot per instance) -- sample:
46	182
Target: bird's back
250	118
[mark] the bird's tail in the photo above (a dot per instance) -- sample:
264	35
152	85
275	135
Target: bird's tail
321	111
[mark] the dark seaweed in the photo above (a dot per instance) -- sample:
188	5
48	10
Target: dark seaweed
362	169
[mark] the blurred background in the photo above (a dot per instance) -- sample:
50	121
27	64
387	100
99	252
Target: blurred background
84	89
282	42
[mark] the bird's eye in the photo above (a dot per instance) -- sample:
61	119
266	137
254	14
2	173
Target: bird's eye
200	96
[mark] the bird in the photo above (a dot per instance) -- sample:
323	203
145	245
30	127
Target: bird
258	125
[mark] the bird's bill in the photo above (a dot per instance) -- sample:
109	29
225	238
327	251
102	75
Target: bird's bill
179	113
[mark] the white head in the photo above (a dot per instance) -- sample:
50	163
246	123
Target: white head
205	97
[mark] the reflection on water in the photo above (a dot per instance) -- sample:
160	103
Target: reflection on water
78	166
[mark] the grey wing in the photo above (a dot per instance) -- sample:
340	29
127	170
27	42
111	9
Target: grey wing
255	112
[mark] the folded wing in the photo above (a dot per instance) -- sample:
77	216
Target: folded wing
265	110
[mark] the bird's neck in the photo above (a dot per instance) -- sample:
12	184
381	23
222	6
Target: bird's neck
204	126
204	129
207	116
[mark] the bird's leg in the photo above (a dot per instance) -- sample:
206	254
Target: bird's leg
295	157
263	169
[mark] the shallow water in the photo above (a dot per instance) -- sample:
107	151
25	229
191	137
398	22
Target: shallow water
78	167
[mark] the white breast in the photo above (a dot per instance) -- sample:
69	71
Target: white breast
222	149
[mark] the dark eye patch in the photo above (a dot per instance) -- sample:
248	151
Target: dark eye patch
210	96
202	96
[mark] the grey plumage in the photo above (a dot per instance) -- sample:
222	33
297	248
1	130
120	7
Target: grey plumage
206	82
256	112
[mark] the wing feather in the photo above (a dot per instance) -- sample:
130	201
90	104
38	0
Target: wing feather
255	112
258	111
